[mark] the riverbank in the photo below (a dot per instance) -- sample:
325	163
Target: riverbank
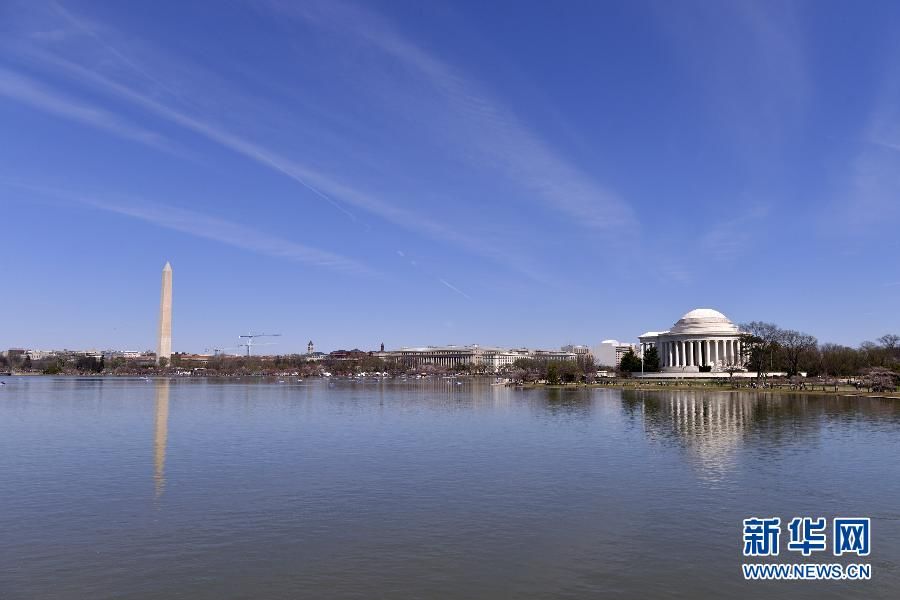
842	390
818	390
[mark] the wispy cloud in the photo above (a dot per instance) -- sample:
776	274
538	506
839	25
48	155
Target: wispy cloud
884	144
868	201
29	92
115	74
207	227
455	289
728	239
751	66
673	270
493	135
326	188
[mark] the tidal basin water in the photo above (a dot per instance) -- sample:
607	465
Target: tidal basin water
115	488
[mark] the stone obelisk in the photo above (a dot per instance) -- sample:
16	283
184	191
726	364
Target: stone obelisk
164	343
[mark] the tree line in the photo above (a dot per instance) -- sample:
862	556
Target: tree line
768	348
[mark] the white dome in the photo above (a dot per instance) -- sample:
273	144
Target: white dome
704	320
705	313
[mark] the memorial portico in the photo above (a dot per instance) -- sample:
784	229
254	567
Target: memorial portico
702	338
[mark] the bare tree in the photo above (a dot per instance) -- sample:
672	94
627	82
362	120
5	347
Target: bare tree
795	345
890	341
874	355
759	342
891	344
839	360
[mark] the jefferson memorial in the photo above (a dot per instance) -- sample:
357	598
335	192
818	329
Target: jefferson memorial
702	338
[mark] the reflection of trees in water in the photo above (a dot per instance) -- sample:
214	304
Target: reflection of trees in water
566	402
428	392
160	435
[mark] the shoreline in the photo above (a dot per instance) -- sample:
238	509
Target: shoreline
666	386
842	391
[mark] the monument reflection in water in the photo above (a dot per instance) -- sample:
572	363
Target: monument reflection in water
717	429
711	426
160	435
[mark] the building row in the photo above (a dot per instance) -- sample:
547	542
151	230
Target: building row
107	355
491	358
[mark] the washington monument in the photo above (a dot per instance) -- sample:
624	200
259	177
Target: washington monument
164	344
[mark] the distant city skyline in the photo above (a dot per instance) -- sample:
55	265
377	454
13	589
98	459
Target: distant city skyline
506	174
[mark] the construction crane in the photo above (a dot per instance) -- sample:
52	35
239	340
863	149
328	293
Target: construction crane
252	336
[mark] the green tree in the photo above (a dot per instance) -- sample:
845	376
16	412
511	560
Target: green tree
569	371
553	374
630	363
651	360
53	368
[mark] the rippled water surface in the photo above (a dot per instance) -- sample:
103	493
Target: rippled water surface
242	489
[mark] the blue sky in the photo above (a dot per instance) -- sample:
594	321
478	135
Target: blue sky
413	173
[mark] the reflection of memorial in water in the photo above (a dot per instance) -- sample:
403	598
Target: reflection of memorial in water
711	425
160	435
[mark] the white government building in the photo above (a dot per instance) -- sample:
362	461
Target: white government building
702	338
610	352
493	358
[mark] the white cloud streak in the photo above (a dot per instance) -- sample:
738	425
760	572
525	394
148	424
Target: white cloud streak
29	92
868	202
455	289
107	79
728	239
207	227
321	185
493	132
